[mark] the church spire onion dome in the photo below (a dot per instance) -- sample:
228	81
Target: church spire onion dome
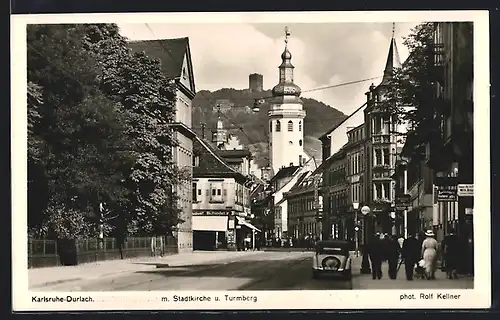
393	60
286	87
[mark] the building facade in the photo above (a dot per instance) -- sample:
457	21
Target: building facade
176	65
286	118
221	201
355	176
303	214
451	151
382	146
335	191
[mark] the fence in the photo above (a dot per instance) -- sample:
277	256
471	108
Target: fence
49	253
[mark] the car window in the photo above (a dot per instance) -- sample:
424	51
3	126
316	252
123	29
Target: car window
331	250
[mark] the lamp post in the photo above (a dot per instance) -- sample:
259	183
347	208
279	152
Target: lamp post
252	216
365	264
355	206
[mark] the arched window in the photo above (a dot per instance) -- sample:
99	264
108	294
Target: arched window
278	126
300	142
290	126
300	125
271	126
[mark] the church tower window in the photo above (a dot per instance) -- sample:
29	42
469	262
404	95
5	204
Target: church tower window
278	126
300	125
290	126
300	142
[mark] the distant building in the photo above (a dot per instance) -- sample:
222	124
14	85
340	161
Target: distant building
355	175
176	65
335	191
221	201
255	82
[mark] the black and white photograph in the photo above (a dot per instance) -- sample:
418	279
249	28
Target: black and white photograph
251	160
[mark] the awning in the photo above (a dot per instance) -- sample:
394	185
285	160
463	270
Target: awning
210	223
242	221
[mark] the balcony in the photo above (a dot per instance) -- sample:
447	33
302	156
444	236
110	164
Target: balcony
381	139
382	175
381	168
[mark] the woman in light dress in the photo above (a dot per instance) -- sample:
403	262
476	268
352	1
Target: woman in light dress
429	254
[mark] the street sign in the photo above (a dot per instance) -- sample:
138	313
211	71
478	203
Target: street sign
402	202
465	190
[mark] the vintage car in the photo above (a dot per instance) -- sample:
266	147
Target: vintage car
332	257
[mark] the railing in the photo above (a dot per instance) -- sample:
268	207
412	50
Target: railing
47	253
381	138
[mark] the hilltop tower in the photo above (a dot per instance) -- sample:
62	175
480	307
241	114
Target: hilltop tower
286	118
255	82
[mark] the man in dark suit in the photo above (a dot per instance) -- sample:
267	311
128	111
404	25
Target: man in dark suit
411	255
376	253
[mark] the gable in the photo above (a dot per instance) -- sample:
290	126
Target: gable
186	77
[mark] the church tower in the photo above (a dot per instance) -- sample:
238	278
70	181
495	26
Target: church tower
286	118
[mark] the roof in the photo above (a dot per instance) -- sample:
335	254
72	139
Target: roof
285	172
337	155
211	164
392	62
304	183
341	122
234	153
170	52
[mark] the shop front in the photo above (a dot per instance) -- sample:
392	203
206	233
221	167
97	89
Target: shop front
210	232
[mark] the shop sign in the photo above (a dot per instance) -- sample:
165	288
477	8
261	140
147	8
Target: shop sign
465	190
448	194
402	201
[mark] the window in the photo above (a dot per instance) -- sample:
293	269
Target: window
196	161
300	142
194	194
377	125
300	125
300	159
184	73
387	190
270	126
378	191
278	126
290	126
387	156
378	157
216	192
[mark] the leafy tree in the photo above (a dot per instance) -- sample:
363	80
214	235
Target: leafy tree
136	82
73	134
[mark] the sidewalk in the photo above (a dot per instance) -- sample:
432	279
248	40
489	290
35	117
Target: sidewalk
40	277
365	281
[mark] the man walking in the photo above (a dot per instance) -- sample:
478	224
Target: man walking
411	254
451	253
392	256
375	252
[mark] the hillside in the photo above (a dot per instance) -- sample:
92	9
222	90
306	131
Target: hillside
251	128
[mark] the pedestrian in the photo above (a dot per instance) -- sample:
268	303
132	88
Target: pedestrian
429	254
410	255
392	252
451	254
375	249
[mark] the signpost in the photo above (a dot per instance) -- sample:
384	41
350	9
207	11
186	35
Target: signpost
402	202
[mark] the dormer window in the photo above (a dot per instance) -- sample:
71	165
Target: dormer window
184	73
196	161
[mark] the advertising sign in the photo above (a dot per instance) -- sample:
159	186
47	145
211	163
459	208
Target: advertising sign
465	190
402	201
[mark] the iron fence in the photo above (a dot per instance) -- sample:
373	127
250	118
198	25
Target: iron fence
49	253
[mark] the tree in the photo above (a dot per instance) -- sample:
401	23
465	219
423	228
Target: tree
73	134
411	95
136	82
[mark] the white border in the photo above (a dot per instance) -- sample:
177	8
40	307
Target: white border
479	297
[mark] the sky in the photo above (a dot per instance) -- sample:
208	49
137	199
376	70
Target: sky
323	54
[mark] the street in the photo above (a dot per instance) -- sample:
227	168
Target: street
246	271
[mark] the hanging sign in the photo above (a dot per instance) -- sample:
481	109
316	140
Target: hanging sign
465	190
